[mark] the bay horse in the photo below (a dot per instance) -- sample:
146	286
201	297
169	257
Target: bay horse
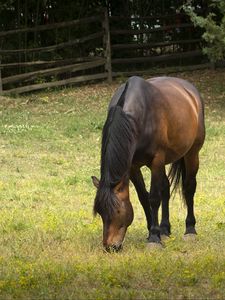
150	123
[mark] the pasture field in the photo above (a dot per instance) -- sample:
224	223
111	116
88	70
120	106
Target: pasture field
50	243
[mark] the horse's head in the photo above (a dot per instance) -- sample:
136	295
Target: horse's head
115	209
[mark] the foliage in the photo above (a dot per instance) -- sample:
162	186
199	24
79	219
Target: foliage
50	244
214	28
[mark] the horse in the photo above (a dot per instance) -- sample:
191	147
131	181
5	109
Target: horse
153	123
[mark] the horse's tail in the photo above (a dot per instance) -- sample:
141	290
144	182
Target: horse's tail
176	175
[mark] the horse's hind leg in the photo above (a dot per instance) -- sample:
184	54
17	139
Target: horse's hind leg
165	223
143	196
189	186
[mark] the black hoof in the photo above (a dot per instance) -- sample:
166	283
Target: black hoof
153	238
164	231
190	230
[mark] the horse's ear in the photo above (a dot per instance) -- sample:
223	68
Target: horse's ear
95	181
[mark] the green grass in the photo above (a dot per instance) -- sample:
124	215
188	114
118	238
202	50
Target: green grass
50	244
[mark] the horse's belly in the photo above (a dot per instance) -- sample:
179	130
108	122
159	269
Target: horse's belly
179	143
172	156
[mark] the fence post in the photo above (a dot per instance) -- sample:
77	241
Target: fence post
0	78
107	45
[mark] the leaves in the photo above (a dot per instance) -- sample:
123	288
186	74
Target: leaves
214	26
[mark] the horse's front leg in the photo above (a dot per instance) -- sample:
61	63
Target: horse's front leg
158	182
137	179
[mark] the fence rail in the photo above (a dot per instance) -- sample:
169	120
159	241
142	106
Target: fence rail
152	45
49	63
106	53
53	73
151	30
63	82
51	26
157	58
55	47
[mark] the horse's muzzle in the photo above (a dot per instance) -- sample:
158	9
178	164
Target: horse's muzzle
113	248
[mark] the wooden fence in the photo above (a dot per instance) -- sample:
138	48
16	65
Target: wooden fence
39	74
112	51
166	43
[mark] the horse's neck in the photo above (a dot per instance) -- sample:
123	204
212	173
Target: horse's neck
117	145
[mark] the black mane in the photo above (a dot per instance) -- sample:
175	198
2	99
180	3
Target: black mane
116	156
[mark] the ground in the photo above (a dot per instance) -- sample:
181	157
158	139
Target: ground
50	243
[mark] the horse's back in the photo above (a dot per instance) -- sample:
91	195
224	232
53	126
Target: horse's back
183	101
163	89
168	112
172	89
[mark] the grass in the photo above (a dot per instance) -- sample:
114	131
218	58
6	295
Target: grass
50	244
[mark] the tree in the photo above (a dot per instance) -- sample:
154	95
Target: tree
214	28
